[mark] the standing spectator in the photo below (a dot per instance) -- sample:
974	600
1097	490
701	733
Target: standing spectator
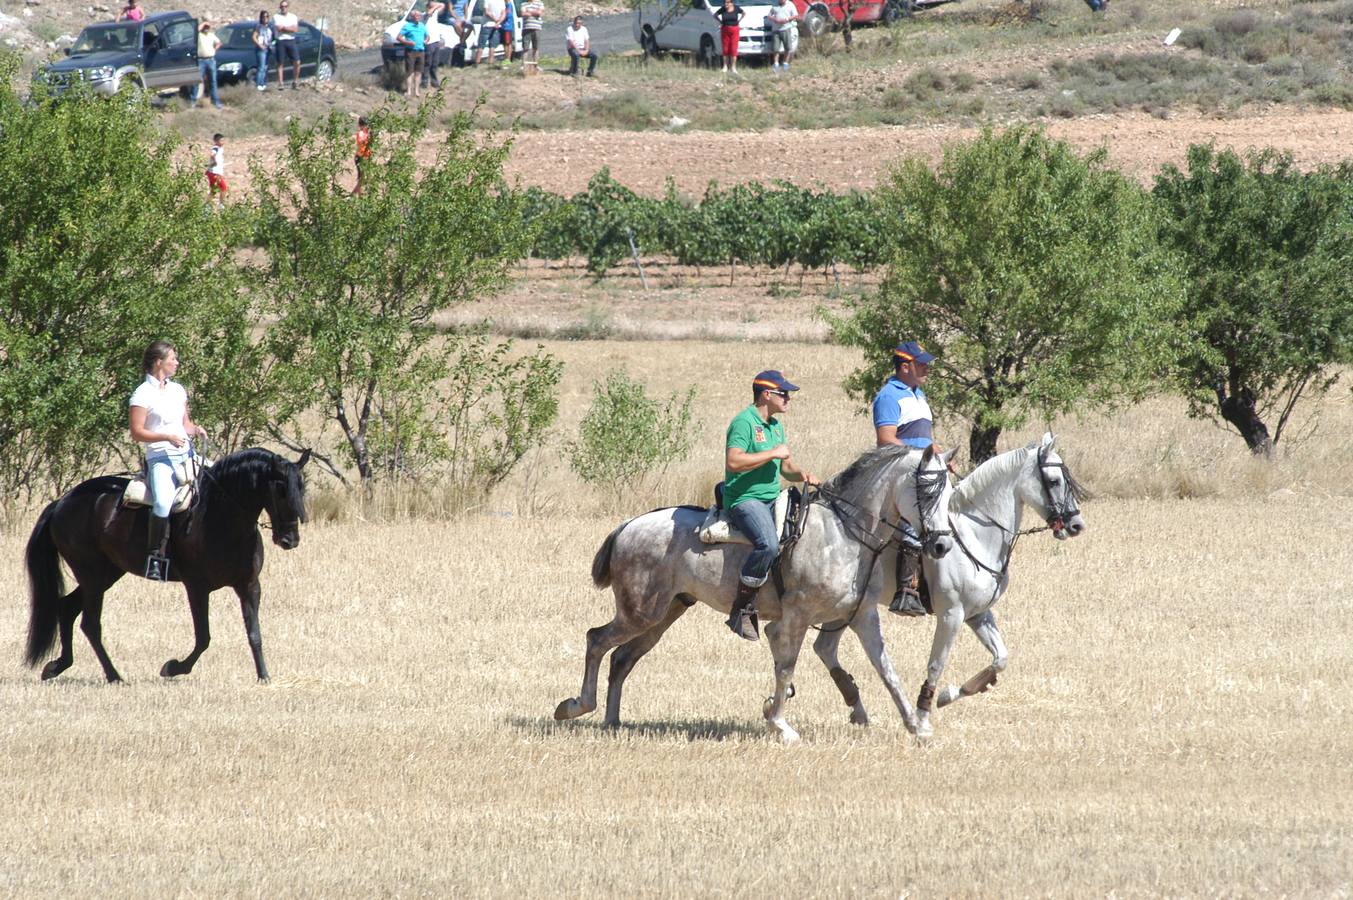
263	38
132	12
207	45
414	38
532	17
286	25
579	47
436	40
216	183
494	13
729	16
509	30
782	17
363	157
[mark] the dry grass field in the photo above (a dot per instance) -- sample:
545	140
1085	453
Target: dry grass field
1175	721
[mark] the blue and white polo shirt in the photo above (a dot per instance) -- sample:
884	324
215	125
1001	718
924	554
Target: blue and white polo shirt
906	408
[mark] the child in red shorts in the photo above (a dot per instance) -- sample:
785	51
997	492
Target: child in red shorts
216	182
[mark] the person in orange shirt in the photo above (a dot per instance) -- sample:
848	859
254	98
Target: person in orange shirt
363	157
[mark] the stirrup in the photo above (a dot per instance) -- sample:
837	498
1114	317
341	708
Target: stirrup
157	567
907	602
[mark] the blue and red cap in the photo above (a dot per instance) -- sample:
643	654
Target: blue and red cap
911	351
772	380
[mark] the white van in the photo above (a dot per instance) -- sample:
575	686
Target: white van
689	26
452	53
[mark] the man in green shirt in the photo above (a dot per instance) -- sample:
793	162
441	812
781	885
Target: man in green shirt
755	457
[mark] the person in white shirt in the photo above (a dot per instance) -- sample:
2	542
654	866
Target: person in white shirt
490	33
286	25
782	17
435	41
207	45
579	47
158	419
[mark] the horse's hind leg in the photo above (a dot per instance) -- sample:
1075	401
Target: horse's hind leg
197	604
984	626
828	640
629	653
71	604
91	624
600	641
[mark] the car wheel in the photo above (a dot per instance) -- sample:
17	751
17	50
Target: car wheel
708	56
815	22
325	72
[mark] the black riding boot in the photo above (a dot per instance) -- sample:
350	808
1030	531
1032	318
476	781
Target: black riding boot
742	619
907	600
157	561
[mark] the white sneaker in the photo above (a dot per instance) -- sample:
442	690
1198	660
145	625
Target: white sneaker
261	87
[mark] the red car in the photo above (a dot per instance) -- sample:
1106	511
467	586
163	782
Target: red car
819	16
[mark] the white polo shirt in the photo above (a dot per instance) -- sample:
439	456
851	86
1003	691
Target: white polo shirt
166	407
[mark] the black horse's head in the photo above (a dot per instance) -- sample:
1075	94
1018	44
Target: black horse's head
286	500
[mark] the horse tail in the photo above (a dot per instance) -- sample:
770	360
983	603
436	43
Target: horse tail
46	587
601	563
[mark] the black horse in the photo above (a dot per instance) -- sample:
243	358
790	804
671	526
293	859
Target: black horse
213	544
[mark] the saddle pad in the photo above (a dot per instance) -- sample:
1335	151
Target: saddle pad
137	492
716	529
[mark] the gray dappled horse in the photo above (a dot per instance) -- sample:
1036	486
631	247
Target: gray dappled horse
985	513
657	568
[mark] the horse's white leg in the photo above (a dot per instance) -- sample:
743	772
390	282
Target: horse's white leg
828	640
786	639
947	623
629	653
984	626
867	628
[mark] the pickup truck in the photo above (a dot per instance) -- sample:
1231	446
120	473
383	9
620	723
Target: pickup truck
689	25
159	53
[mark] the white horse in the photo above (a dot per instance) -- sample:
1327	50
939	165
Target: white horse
657	568
985	516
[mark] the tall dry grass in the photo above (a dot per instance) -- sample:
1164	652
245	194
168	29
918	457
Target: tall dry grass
1175	720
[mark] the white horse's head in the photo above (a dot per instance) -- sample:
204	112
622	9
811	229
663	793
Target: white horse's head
1053	491
930	492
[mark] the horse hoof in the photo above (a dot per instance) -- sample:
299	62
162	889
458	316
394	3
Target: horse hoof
788	736
172	669
948	695
859	717
924	731
53	669
571	709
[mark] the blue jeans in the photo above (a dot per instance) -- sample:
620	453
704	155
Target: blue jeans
161	464
756	519
205	68
261	77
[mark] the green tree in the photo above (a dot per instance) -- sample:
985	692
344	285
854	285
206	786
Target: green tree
105	245
1033	273
626	436
356	281
1268	253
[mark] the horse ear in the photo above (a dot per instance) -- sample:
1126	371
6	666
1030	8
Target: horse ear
929	452
1049	439
305	458
948	455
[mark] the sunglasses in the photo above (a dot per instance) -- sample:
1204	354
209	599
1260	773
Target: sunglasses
784	394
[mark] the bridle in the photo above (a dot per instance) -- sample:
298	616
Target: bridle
929	489
1057	516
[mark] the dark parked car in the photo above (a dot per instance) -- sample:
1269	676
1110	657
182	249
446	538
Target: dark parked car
156	54
236	60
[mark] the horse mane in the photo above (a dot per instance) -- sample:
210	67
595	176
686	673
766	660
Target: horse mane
980	479
249	470
860	478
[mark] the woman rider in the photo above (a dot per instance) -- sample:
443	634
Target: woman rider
159	420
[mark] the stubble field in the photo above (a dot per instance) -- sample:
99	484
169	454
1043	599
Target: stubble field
1175	720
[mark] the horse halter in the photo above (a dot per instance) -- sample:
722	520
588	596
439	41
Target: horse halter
1058	513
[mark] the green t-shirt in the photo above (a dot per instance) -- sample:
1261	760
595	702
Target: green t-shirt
748	432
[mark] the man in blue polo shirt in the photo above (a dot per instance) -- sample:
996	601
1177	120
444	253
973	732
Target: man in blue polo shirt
902	416
755	456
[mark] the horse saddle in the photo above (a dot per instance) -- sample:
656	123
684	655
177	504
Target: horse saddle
716	529
137	492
